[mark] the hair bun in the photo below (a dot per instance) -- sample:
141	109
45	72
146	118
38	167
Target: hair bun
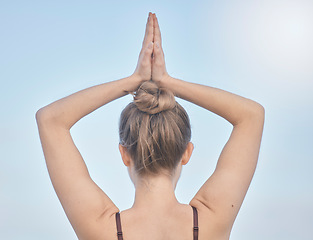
151	99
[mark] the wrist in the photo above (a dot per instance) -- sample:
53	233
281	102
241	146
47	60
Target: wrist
167	82
134	81
175	85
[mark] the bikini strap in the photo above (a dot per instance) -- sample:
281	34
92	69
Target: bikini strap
118	226
195	223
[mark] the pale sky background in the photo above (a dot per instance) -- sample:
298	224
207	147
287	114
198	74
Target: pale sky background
258	49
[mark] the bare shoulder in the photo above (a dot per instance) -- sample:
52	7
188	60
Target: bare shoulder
101	228
211	224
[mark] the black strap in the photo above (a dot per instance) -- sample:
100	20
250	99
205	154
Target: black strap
118	226
195	223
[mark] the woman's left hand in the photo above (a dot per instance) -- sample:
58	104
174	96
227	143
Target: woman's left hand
143	69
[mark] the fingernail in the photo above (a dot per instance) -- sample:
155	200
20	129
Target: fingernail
150	45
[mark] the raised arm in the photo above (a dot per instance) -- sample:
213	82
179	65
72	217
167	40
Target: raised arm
83	201
223	193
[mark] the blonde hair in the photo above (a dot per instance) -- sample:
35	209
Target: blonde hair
155	129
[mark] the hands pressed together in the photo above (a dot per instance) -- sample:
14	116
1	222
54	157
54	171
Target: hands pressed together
151	63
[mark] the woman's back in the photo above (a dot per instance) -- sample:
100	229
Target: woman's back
173	223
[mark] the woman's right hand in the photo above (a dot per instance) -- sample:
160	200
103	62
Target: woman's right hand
159	73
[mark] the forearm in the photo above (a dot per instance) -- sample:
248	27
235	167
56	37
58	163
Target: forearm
232	107
67	111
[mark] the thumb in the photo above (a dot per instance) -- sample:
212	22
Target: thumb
149	49
150	45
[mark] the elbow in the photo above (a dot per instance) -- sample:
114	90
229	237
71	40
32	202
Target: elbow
256	113
47	117
260	111
40	116
253	112
43	116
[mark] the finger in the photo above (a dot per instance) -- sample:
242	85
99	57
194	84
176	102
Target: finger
158	56
147	53
147	27
149	31
157	32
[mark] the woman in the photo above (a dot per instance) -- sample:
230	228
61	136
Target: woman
154	144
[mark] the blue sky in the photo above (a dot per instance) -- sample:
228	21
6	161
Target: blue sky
258	49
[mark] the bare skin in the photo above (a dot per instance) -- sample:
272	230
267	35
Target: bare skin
156	214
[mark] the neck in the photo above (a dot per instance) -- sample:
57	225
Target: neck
155	193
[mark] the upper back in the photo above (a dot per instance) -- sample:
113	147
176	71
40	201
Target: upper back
174	224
